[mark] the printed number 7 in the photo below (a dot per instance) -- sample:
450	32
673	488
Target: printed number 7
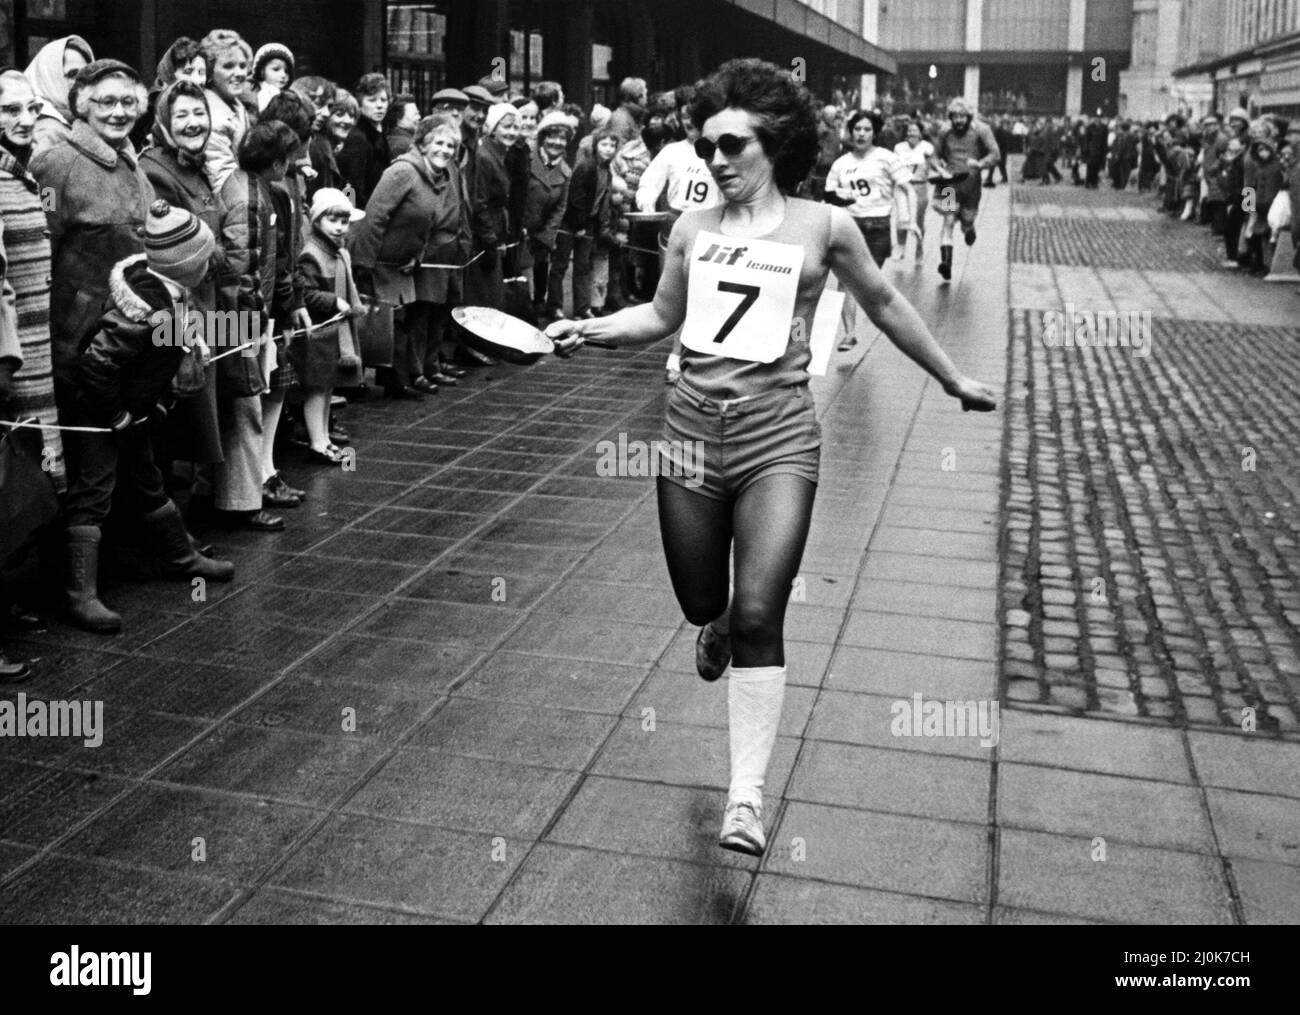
750	292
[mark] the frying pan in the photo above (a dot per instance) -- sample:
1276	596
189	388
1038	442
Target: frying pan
498	334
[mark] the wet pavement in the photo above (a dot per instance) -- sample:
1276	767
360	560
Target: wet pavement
458	687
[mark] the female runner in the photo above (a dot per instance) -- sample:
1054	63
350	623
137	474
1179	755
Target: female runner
742	281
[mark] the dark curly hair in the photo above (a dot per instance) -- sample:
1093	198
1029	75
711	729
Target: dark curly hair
877	121
267	142
788	125
292	109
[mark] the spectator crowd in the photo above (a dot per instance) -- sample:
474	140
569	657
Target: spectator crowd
339	228
1238	176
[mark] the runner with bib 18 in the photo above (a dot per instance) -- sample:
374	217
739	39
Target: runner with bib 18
742	280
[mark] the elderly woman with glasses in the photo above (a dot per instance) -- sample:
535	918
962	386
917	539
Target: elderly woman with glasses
742	280
96	200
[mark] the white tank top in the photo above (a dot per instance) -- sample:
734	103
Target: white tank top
872	178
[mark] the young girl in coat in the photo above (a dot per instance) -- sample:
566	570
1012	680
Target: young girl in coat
329	356
272	72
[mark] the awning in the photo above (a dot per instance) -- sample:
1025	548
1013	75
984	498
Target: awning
1272	48
803	20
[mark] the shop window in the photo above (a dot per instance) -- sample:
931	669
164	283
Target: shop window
525	59
43	21
415	43
602	89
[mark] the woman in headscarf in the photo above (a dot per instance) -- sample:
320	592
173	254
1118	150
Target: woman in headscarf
181	62
51	75
490	206
174	165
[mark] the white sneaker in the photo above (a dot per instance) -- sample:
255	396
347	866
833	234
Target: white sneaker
742	828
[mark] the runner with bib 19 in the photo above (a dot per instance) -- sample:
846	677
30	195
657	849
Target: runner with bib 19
742	280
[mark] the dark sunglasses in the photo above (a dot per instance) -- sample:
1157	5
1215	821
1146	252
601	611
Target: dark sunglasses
730	145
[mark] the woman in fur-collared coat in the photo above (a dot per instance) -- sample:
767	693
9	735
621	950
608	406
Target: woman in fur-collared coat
96	199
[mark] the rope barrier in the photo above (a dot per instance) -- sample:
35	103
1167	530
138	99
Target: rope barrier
68	429
231	352
621	246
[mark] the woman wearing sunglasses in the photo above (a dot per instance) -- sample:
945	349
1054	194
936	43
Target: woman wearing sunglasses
742	280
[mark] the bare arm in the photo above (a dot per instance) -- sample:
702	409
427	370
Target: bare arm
639	325
892	314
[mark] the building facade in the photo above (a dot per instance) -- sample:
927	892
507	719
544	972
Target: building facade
586	45
1168	34
1021	57
1255	64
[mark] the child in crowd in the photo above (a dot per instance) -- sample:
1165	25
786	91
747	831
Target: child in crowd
587	231
124	376
272	72
330	355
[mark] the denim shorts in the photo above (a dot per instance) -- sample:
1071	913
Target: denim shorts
734	443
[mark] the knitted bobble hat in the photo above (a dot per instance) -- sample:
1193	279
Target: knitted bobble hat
271	51
177	245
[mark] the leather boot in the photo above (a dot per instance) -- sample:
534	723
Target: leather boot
81	602
180	559
945	261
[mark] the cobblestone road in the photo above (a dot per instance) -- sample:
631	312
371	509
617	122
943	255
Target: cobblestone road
1150	561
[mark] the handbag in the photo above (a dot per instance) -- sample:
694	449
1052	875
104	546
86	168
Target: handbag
28	501
375	333
1279	212
239	375
517	301
191	376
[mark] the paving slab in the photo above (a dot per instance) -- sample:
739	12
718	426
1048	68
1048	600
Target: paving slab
1118	809
899	782
780	899
920	856
1133	884
1256	826
508	800
528	734
413	868
1251	764
563	884
1114	748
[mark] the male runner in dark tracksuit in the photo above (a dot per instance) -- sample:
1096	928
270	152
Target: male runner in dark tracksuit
965	146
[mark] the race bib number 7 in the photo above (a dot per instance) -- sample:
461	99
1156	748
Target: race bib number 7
741	296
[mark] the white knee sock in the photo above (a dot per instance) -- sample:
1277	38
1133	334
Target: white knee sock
754	699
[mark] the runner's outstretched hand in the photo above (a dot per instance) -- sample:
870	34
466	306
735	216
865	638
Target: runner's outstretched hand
566	335
973	395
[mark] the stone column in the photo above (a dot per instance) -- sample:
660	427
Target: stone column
974	43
